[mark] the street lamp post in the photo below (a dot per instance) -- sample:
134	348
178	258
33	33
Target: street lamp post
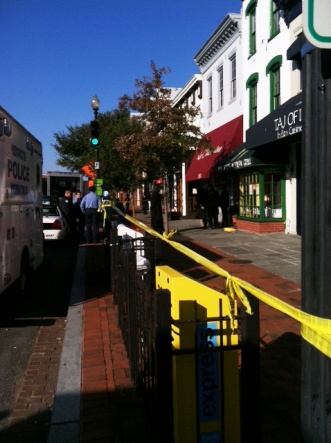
95	105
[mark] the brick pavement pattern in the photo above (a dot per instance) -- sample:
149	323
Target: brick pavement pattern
30	419
110	410
280	340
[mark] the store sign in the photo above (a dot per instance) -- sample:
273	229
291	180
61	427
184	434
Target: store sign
206	152
288	124
238	164
283	122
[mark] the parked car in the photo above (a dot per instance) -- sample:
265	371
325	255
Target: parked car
55	225
46	200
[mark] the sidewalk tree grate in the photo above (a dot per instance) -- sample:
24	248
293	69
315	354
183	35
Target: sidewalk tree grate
240	262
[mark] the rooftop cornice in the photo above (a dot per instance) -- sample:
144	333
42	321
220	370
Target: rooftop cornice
193	84
226	30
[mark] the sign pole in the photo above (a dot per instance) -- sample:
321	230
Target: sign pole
316	240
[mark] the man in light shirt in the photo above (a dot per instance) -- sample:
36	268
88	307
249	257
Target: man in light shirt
89	207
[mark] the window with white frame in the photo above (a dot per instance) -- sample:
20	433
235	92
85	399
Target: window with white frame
220	87
210	95
233	61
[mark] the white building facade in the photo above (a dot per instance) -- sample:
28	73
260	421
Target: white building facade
189	95
220	64
266	166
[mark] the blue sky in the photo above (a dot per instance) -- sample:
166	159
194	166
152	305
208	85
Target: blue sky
56	54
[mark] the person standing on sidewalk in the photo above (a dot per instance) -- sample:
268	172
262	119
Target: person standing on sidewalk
80	219
212	207
89	206
224	205
156	210
145	203
202	203
68	210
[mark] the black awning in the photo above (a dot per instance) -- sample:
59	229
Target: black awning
282	123
294	51
239	159
243	158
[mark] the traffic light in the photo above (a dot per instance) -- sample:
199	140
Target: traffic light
94	133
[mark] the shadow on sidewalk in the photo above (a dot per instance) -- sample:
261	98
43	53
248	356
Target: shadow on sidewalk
280	371
118	414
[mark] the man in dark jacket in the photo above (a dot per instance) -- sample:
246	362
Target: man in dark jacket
80	218
202	202
224	204
67	208
212	207
156	210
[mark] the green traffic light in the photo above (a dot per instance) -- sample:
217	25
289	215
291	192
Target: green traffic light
94	133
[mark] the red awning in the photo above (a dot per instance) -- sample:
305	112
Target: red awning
224	140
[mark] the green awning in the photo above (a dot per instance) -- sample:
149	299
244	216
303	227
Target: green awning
243	158
239	159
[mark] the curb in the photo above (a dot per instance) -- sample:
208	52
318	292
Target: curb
65	419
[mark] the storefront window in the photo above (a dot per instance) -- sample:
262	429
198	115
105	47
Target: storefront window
249	194
261	195
273	195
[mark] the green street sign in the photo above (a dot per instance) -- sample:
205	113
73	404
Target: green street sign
316	16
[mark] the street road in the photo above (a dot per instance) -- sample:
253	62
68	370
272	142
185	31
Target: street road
21	317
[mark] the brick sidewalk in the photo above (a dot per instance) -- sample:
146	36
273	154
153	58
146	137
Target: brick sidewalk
110	410
30	419
109	407
280	340
279	344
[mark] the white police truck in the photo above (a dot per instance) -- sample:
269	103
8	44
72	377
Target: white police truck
21	225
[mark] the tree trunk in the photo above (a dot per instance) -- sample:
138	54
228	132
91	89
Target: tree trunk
133	199
165	202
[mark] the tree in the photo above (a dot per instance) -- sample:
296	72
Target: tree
167	134
75	152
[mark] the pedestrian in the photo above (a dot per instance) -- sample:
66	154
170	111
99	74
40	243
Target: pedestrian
79	216
156	210
127	201
108	213
145	203
68	211
89	206
202	202
212	206
224	205
120	218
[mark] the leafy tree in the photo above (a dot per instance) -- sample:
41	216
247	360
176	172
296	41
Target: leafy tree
168	133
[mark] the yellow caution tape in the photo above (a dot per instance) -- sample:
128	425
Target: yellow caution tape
102	208
315	330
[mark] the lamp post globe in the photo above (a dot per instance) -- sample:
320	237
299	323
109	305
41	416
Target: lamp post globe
95	105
